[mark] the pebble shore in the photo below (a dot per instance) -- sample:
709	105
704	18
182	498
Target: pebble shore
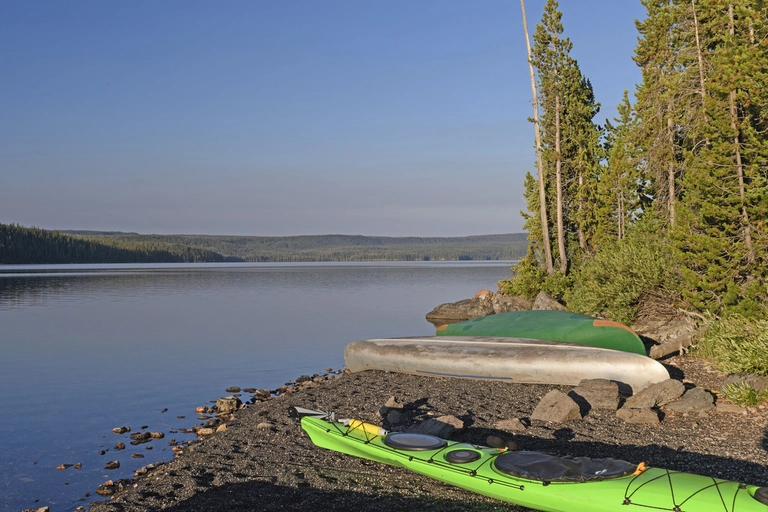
262	460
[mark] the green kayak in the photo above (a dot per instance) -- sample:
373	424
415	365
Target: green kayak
551	326
533	479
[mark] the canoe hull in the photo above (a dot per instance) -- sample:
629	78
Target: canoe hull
511	359
654	488
553	326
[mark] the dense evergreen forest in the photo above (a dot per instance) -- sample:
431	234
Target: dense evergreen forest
32	245
22	245
662	210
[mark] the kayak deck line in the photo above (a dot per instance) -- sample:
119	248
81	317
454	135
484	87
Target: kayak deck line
626	484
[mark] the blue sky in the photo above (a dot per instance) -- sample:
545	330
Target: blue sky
396	117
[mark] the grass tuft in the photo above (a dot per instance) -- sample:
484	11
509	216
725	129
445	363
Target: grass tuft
736	344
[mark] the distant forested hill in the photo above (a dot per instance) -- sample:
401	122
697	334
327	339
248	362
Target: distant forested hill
19	245
22	245
338	247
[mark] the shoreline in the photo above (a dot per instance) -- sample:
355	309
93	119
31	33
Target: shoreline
263	460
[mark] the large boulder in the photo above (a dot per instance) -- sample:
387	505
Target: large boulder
479	305
544	301
504	303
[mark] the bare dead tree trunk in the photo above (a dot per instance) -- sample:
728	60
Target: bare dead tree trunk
559	184
539	160
582	207
703	91
620	210
739	164
671	168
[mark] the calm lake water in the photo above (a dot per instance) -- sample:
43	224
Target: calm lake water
84	349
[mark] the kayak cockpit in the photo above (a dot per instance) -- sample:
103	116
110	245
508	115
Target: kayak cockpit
550	468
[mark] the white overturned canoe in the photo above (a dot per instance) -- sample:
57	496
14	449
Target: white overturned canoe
513	359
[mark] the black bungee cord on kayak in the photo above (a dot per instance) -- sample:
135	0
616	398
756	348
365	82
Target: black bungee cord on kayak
678	507
345	427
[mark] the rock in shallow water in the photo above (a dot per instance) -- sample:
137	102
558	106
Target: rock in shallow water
228	404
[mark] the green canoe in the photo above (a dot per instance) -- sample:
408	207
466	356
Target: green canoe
551	326
534	479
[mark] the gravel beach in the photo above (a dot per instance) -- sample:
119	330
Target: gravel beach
264	461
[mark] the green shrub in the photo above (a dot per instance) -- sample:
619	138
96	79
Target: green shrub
741	393
527	279
613	282
736	344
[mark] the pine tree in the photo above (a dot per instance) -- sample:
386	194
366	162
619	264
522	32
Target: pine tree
722	244
619	189
543	227
570	139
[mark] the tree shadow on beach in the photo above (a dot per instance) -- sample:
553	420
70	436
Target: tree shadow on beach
562	443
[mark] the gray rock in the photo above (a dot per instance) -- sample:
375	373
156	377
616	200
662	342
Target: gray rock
597	393
729	408
390	405
444	426
480	305
656	395
228	404
120	446
233	389
694	400
556	407
505	303
393	403
115	464
545	302
757	382
662	328
645	416
513	424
